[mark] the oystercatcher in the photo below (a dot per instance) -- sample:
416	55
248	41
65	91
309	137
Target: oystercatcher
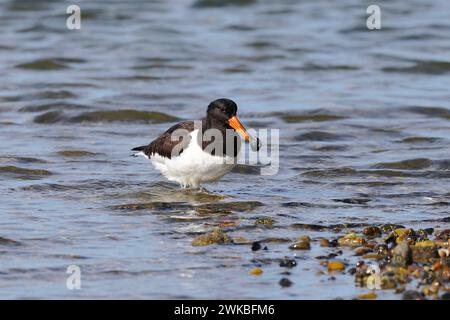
196	152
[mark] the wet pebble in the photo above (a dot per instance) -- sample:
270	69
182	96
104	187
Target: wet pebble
300	245
256	272
324	242
336	266
256	246
288	263
362	251
285	282
371	231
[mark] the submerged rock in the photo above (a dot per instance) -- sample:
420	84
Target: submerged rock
124	115
310	117
215	237
43	65
228	207
75	153
419	140
9	242
412	164
127	115
23	173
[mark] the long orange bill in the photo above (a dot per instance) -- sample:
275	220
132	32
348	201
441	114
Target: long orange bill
239	127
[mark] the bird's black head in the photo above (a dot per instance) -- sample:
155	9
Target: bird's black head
221	110
222	114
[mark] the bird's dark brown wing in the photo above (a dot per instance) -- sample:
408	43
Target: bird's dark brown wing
164	145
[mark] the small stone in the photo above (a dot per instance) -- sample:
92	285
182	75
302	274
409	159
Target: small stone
256	272
301	245
285	282
351	240
324	242
362	251
288	263
335	266
256	246
371	231
402	254
367	296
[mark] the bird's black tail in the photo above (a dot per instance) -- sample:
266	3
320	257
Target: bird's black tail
141	148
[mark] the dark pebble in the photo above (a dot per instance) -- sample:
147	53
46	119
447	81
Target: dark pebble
334	243
371	231
285	282
288	263
256	246
360	263
412	295
446	296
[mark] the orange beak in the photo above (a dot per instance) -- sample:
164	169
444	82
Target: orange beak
239	127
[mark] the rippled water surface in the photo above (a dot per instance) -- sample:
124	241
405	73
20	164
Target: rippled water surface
363	117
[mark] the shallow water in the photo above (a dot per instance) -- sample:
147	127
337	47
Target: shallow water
363	116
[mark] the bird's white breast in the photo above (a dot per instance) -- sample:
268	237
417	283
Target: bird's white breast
193	166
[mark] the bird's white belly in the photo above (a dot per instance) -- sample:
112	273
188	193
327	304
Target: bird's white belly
193	166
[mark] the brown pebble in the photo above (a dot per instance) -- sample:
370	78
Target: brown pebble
324	242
